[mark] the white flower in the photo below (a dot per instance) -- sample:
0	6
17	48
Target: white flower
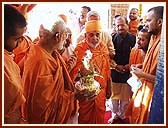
87	59
88	54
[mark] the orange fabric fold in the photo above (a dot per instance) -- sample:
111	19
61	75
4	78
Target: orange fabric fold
136	56
93	112
13	90
139	107
22	49
47	87
133	25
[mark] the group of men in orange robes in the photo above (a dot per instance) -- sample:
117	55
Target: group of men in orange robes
46	92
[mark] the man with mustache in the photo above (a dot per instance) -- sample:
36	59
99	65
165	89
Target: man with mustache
121	93
138	53
82	18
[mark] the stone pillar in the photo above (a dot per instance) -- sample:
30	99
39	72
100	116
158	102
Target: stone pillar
116	9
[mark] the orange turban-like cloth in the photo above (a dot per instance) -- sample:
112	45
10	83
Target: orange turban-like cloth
93	25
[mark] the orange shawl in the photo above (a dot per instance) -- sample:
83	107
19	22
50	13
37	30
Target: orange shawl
136	56
139	107
47	87
133	25
22	49
13	90
93	112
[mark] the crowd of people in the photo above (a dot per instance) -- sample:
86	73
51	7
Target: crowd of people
41	75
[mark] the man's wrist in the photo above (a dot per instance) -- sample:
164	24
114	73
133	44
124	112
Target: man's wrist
115	66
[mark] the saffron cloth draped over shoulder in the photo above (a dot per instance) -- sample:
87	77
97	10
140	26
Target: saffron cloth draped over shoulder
47	87
13	90
133	25
139	108
92	112
22	49
136	56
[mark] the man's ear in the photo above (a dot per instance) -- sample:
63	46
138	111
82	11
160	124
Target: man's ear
41	27
57	36
160	22
43	32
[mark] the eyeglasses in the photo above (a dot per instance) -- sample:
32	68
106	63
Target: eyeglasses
69	34
63	33
94	34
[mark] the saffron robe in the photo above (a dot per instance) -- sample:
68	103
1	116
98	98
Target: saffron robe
13	90
93	112
47	87
139	107
136	56
133	25
22	49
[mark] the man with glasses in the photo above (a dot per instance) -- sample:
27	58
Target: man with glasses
67	52
93	112
104	36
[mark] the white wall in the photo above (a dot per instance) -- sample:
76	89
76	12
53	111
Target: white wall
47	12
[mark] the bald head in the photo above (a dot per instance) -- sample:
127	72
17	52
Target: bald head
55	37
158	11
58	26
